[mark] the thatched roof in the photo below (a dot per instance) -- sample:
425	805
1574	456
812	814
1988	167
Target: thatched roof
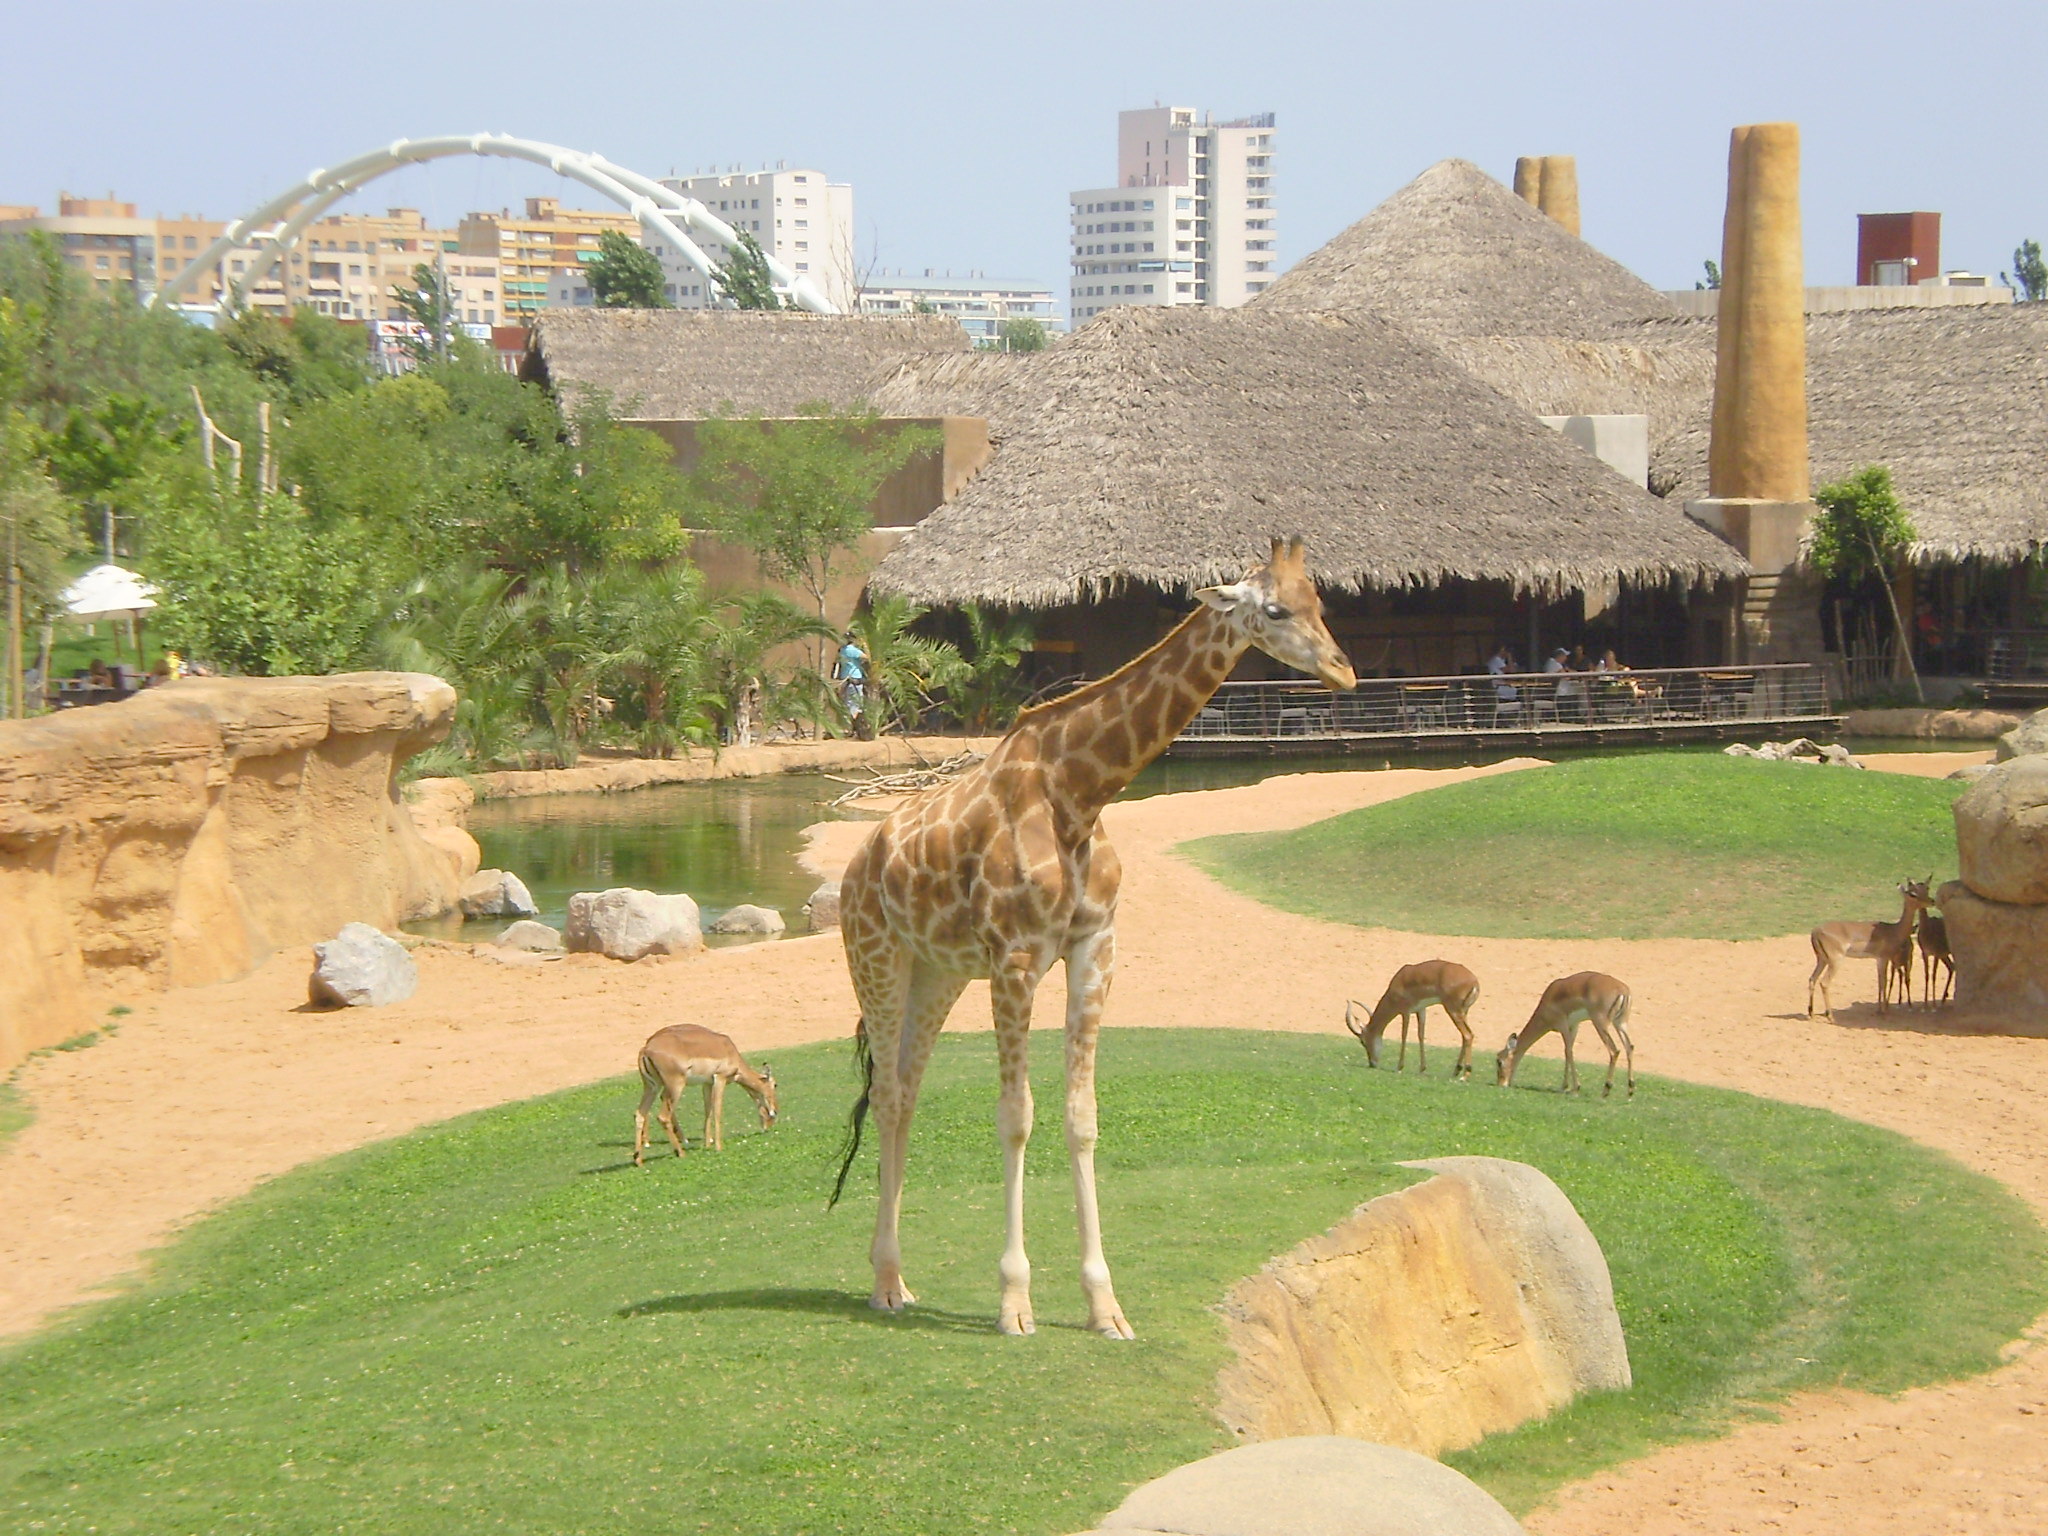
1954	401
1455	253
685	364
1165	446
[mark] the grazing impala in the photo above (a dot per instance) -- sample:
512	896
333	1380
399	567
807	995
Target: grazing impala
1889	944
1934	955
1565	1004
682	1054
1410	993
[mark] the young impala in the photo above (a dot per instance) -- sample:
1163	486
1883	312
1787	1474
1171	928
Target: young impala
1566	1003
1935	957
1409	994
682	1054
1889	944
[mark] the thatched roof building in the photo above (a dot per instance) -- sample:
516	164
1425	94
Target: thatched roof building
1455	253
1954	401
1164	446
686	364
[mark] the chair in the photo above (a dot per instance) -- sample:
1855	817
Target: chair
1423	704
1509	704
1542	701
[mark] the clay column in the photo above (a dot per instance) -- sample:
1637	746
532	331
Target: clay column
1529	180
1560	191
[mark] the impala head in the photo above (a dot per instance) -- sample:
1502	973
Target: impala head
1916	893
1276	608
1504	1061
1364	1035
766	1102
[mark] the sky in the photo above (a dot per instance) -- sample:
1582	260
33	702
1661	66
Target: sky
962	127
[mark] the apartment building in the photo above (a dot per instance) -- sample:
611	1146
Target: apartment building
1189	219
347	265
547	242
981	304
101	236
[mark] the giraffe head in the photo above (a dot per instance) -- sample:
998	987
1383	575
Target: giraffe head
1276	608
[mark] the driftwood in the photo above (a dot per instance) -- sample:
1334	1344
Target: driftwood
908	781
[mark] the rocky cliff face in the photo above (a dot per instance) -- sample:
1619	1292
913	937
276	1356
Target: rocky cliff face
1998	911
182	836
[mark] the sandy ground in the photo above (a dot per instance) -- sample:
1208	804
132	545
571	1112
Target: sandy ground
204	1093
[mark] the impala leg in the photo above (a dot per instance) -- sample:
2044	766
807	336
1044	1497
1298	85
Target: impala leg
1011	991
1422	1037
647	1092
1569	1035
1090	965
667	1114
1884	985
1464	1067
714	1113
1403	1065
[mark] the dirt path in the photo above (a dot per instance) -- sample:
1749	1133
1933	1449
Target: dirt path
204	1093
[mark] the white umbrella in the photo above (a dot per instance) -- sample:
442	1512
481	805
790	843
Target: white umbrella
108	591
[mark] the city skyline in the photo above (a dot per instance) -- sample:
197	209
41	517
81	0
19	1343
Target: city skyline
1368	96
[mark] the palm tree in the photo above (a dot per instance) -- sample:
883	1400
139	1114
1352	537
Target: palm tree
739	639
985	692
904	669
464	628
658	632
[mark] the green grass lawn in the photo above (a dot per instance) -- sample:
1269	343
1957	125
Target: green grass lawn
1640	847
14	1114
498	1324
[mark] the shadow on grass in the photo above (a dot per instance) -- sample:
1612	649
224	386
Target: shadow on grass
845	1305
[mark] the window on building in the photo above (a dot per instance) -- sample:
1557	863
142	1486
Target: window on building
1183	202
1148	287
191	242
99	261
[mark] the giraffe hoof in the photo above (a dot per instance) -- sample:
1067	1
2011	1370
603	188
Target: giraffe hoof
1016	1320
1113	1327
893	1298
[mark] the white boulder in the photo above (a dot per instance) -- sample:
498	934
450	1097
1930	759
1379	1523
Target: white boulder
536	938
362	968
823	908
495	893
628	924
758	922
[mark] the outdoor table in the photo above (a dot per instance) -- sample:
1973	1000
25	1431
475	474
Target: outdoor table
1421	701
1720	692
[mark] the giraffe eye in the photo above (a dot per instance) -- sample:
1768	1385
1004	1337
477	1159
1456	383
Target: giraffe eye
1275	611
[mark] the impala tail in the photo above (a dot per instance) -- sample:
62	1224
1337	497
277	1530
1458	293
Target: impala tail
864	1063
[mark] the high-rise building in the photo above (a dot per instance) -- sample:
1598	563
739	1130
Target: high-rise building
548	242
348	264
979	303
1188	221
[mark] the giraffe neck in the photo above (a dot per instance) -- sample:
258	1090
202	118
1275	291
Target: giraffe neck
1095	740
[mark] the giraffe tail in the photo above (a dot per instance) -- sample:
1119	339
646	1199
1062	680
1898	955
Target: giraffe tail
864	1063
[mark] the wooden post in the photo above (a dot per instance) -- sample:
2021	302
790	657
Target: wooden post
16	705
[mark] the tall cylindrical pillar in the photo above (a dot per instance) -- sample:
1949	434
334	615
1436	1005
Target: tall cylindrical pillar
1559	196
1529	180
1759	447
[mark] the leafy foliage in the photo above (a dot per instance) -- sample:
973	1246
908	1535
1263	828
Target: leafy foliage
1862	529
1021	333
625	274
2029	275
1713	277
984	691
904	670
427	305
742	278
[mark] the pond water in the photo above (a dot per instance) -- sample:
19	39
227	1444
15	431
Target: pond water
737	840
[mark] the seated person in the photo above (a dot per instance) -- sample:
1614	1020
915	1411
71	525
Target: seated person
1499	664
1570	691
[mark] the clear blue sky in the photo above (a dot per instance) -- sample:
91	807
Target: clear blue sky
963	126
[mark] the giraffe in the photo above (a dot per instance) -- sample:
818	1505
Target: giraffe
1005	870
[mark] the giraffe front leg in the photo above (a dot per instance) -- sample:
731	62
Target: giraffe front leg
1090	966
928	996
1011	991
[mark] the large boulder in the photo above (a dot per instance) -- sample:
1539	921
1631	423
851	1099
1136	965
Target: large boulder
750	921
1428	1318
1317	1485
2027	739
822	910
496	893
2001	952
628	924
362	968
2002	833
455	844
534	938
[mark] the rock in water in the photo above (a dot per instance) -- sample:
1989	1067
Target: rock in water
823	907
628	925
362	968
536	938
1313	1485
2027	739
761	922
495	893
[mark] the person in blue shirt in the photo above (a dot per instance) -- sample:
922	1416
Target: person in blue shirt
851	670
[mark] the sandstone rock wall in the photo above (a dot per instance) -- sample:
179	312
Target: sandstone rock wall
1998	911
180	837
1429	1318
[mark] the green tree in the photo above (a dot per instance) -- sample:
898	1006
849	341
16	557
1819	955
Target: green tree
100	453
1713	275
308	357
427	305
1021	333
1863	533
625	274
461	626
2029	275
656	628
983	694
742	278
904	669
740	640
798	492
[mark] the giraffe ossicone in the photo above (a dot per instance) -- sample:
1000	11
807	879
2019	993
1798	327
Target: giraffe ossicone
1004	871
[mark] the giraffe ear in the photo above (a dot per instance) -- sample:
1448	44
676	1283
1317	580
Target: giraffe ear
1225	599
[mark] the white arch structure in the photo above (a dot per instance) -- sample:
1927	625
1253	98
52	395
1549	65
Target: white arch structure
664	213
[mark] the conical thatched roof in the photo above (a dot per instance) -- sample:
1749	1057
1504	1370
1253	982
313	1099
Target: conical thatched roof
1165	446
685	364
1954	401
1455	253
